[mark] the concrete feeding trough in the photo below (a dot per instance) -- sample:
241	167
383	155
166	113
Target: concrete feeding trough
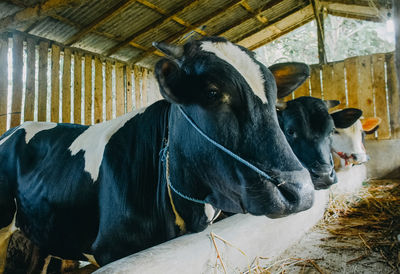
239	239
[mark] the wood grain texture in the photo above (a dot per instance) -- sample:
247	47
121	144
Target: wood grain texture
144	87
42	92
3	82
315	81
55	83
98	91
18	64
128	77
77	88
339	84
393	95
30	80
119	89
109	100
88	90
137	79
66	87
303	89
351	66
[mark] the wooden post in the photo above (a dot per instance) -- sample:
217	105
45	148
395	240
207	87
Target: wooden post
109	101
98	90
3	82
30	80
319	17
55	83
17	81
88	90
396	21
77	88
66	87
42	93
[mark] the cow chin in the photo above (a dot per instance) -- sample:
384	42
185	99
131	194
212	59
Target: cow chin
324	181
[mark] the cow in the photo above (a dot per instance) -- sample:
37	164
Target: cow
348	138
118	187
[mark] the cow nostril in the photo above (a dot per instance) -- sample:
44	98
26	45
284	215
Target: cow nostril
354	156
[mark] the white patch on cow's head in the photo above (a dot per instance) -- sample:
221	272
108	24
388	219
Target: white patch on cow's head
242	62
94	140
31	129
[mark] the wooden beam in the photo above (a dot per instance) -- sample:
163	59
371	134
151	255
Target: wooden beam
157	23
3	81
35	13
319	16
256	14
278	28
174	18
263	26
99	21
204	20
396	22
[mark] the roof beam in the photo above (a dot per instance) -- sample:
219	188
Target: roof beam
364	12
150	27
35	13
100	20
174	18
256	14
216	13
277	28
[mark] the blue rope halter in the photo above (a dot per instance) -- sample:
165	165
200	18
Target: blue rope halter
164	153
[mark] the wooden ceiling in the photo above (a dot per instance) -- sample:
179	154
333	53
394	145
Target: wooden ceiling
124	29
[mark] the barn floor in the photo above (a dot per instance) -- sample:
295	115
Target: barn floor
359	234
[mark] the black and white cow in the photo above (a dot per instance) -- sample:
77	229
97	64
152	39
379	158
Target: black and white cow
121	186
307	126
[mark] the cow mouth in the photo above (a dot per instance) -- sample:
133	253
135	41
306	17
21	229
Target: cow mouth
324	180
350	159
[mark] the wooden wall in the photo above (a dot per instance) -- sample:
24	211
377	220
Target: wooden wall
51	83
364	82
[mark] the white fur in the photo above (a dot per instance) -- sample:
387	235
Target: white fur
242	62
349	140
93	141
31	129
210	212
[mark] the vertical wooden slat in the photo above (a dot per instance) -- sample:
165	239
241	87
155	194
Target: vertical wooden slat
3	82
327	84
351	66
144	87
380	95
30	80
315	81
303	90
394	96
88	89
77	88
365	91
137	76
119	87
129	102
42	92
18	64
108	79
338	82
98	91
66	87
55	83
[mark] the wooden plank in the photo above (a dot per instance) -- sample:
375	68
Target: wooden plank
393	95
109	101
98	91
339	84
303	90
327	84
144	87
119	89
365	91
3	82
42	93
77	88
351	66
66	87
137	77
55	83
129	101
88	89
18	64
315	81
30	80
378	61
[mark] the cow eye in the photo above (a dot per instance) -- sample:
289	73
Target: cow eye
212	92
290	132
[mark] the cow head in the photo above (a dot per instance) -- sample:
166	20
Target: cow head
348	139
231	97
308	127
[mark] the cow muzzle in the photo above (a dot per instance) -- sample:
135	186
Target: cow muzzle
323	176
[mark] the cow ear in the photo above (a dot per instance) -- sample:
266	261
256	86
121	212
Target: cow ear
346	117
280	104
169	77
332	103
289	76
173	51
370	125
